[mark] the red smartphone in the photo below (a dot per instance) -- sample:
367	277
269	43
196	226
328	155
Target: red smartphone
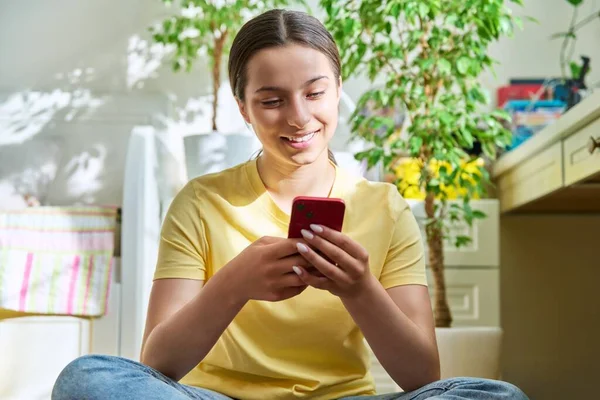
324	211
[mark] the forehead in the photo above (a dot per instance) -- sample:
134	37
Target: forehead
287	67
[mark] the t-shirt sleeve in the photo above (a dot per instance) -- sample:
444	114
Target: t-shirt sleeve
182	247
405	260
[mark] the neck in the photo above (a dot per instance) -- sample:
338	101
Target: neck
284	181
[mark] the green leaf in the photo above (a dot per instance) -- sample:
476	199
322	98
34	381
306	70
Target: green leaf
388	27
395	10
361	155
468	137
575	2
445	118
575	69
451	19
444	66
423	9
461	241
518	22
477	214
443	172
489	149
348	26
427	63
362	49
415	145
477	95
506	26
463	64
501	115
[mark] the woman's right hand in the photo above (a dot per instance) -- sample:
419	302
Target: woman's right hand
263	270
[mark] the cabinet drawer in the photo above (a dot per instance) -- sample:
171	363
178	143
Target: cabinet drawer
534	178
473	295
484	249
581	161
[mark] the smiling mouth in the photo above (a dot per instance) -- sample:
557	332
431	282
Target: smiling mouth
303	138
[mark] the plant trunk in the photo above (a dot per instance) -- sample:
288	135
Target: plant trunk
435	244
216	72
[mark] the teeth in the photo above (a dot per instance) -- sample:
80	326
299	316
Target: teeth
304	138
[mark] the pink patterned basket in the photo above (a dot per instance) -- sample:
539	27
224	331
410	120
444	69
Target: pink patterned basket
57	260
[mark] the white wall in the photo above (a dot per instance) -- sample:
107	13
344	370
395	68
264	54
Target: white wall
91	60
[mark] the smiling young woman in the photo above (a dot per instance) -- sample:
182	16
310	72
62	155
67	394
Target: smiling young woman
238	310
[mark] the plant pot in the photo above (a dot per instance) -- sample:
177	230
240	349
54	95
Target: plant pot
470	351
215	151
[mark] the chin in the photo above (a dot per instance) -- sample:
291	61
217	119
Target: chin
307	158
303	160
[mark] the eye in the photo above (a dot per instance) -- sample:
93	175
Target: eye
271	103
316	95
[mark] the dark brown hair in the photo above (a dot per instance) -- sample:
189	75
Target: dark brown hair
277	28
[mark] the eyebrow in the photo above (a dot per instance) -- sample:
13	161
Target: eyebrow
276	88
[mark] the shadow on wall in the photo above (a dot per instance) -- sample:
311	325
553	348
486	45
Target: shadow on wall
33	148
67	144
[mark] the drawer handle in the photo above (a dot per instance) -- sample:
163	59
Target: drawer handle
593	144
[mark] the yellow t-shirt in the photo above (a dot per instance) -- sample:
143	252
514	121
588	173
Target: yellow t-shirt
307	346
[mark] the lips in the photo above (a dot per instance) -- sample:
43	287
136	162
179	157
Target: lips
301	141
301	138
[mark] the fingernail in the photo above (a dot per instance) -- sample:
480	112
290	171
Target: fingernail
297	270
302	248
307	234
316	228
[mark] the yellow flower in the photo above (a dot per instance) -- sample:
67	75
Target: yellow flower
408	172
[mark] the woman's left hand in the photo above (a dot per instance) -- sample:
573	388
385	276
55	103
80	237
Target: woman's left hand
347	274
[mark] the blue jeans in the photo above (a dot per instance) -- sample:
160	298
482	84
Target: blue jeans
108	377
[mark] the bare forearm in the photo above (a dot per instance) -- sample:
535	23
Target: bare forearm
403	349
178	344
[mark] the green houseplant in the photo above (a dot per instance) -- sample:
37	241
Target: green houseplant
573	73
570	38
428	55
207	27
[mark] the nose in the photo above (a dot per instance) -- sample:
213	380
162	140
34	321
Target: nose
298	116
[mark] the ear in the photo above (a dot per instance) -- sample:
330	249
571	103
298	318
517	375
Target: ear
243	110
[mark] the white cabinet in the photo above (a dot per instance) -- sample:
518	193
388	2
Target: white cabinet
472	273
473	295
484	249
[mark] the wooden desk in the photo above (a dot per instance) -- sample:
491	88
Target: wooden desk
557	170
549	191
